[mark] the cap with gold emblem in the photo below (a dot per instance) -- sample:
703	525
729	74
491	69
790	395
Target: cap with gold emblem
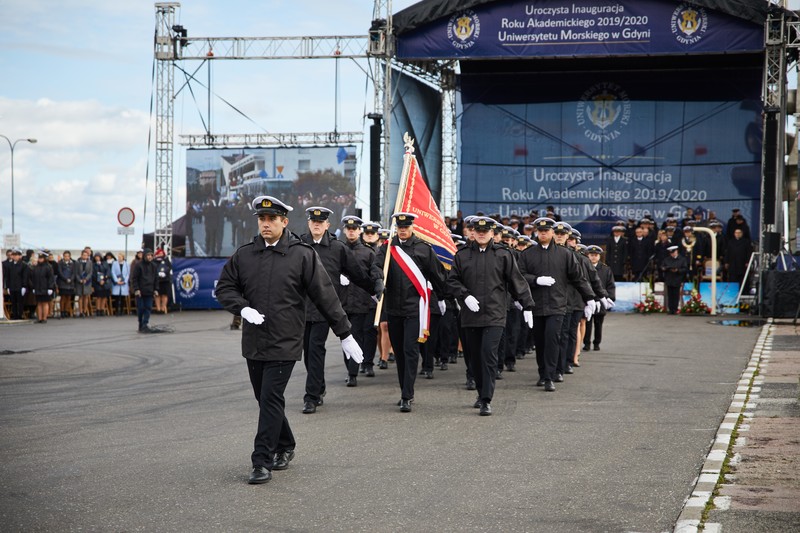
269	205
594	249
371	227
543	223
484	224
384	233
575	234
318	213
404	220
562	228
351	221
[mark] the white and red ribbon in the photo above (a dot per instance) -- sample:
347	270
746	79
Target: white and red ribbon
422	286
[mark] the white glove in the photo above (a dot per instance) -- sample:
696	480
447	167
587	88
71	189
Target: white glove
596	306
608	303
343	281
252	316
162	275
472	303
442	307
23	290
518	306
545	281
528	316
351	349
588	310
49	292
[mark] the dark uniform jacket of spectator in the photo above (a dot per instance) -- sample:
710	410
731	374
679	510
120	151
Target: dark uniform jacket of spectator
590	272
640	252
560	264
675	269
739	252
606	278
66	276
616	254
16	276
277	281
337	259
144	277
42	279
357	300
401	298
490	277
163	266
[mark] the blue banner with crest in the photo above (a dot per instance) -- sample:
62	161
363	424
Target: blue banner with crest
195	280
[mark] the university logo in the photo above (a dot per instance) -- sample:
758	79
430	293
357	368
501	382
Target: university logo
603	110
464	29
689	23
188	282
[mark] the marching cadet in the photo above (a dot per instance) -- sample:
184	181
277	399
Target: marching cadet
549	270
386	350
513	329
267	283
606	278
370	238
481	276
412	266
357	302
674	267
342	268
469	235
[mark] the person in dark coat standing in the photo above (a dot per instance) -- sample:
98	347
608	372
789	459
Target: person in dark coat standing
549	269
267	283
606	278
640	250
16	278
739	250
144	280
675	268
412	266
343	269
480	278
43	285
617	252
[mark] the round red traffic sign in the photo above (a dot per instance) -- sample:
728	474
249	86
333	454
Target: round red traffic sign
125	216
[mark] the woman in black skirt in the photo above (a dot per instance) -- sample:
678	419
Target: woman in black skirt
43	282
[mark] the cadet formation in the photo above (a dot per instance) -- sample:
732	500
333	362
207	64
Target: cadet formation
506	295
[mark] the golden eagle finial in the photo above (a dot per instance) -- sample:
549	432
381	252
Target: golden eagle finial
409	142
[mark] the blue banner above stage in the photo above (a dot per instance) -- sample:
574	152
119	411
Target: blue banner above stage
195	280
559	28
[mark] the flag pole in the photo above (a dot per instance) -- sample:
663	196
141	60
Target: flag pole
401	191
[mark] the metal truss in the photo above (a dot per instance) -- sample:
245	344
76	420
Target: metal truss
324	47
283	140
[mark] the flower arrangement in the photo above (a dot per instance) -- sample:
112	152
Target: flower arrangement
649	305
695	306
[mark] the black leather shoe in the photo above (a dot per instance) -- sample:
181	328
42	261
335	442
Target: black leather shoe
596	348
443	366
422	372
370	373
400	401
282	460
499	374
428	374
259	475
559	378
309	408
470	384
511	367
460	354
351	381
549	387
540	383
477	404
453	359
405	406
362	369
486	409
383	365
569	370
585	347
391	357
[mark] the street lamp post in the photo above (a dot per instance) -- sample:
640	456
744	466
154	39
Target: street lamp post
12	145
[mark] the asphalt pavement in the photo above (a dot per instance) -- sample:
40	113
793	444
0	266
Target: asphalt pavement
104	429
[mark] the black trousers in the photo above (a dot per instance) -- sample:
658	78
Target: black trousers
432	349
596	325
563	343
673	298
463	347
480	348
357	322
17	303
522	338
369	337
448	331
546	331
314	338
404	332
575	323
512	334
274	435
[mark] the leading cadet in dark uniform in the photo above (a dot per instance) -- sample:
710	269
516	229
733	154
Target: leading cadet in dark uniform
357	303
549	269
674	268
267	282
343	269
403	299
483	275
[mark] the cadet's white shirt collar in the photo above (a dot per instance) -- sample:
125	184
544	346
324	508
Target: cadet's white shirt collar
268	245
617	238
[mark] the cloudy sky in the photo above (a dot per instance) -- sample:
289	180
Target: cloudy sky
77	77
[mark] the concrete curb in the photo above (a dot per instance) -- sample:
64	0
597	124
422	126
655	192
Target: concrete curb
691	515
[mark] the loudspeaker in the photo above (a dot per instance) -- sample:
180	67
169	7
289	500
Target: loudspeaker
781	293
772	242
375	132
769	167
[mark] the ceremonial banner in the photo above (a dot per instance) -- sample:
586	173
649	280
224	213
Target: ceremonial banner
429	224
